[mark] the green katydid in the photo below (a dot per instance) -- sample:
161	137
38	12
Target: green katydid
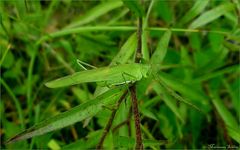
115	75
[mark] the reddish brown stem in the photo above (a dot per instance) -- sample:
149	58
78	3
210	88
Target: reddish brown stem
139	145
129	121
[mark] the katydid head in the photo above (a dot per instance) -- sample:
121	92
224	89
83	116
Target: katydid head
145	68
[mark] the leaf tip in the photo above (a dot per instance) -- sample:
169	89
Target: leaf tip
48	84
12	140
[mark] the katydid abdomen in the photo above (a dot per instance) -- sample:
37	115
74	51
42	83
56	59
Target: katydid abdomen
114	75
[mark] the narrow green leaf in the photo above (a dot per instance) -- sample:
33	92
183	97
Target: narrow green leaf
211	15
161	49
148	135
237	3
30	79
166	126
134	6
207	76
16	102
233	92
126	51
223	111
148	113
85	29
234	133
146	18
232	19
123	141
228	118
186	61
171	92
113	28
21	8
88	142
164	10
145	51
53	4
168	100
197	8
117	18
232	42
4	54
76	114
54	145
185	89
96	12
231	46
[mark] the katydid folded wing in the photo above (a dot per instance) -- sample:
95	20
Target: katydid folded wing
114	75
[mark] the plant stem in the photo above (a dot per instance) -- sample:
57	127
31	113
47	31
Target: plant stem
110	121
139	144
139	41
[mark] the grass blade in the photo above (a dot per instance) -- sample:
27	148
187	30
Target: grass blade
168	100
164	10
229	120
211	15
177	96
126	51
5	54
115	28
197	8
76	114
223	112
161	49
207	76
134	6
85	29
234	133
185	89
30	79
128	142
16	101
145	34
237	3
232	42
145	51
96	12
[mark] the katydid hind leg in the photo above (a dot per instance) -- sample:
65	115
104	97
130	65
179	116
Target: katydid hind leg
132	76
